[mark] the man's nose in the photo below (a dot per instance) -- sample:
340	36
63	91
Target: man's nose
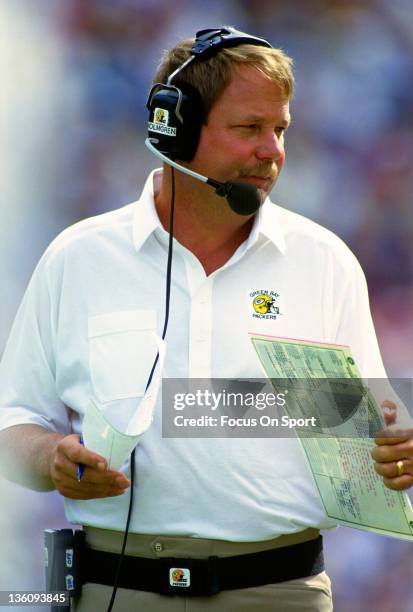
270	146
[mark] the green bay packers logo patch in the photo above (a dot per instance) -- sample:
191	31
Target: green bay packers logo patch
264	304
160	123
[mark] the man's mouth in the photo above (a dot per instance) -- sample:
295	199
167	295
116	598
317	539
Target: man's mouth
262	182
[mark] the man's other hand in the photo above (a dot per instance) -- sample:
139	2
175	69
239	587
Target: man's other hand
393	454
97	480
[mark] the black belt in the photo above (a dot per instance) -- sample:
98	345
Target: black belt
195	577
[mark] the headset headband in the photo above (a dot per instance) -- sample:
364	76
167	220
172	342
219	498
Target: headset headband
209	41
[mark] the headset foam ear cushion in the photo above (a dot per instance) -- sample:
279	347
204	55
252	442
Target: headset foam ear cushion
176	139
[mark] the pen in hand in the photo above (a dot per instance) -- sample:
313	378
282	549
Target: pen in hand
80	466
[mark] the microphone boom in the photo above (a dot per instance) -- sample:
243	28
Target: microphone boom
243	198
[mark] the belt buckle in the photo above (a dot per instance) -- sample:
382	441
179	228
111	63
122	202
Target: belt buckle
179	577
176	576
188	577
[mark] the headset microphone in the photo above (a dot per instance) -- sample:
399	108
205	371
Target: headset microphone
244	199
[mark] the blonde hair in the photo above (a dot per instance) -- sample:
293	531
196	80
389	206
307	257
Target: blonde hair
211	76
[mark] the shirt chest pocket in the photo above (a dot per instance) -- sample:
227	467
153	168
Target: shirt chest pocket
122	348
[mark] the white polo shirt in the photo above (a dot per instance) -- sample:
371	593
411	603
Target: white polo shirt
85	330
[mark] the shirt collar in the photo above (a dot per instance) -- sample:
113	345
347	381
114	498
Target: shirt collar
146	219
267	221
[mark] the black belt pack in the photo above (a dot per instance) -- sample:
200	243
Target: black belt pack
205	577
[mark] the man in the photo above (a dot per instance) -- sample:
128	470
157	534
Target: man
86	330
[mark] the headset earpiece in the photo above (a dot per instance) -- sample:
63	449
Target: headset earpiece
176	115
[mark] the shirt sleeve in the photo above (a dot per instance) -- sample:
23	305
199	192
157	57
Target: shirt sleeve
353	321
354	325
27	369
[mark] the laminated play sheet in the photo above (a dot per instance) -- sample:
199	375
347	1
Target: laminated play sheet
325	386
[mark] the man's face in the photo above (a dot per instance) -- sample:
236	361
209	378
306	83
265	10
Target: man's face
244	137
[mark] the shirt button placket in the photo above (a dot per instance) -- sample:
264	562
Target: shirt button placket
200	333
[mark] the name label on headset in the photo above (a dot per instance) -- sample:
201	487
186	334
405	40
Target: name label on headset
160	123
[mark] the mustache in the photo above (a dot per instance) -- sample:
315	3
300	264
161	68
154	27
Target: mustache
261	171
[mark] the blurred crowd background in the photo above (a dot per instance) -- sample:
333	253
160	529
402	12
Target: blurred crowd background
74	81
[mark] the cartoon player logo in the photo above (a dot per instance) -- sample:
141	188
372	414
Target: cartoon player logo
161	116
178	575
262	303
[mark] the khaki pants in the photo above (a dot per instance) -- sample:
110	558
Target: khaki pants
311	594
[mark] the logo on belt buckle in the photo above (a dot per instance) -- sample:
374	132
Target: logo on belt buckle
179	577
